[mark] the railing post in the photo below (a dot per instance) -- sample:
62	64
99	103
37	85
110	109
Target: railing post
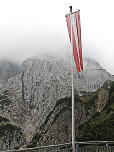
107	147
77	147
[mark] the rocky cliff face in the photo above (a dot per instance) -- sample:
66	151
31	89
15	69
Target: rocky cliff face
42	81
95	75
57	128
46	79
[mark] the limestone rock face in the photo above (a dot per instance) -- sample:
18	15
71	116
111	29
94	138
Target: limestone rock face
43	80
46	79
95	75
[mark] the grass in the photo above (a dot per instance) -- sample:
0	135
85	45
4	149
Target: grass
86	99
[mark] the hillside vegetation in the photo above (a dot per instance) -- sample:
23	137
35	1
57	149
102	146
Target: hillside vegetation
101	125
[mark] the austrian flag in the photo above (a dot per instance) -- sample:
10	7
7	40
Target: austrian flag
73	20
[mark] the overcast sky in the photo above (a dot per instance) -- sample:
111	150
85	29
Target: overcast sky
28	27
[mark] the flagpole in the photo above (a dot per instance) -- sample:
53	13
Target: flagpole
72	66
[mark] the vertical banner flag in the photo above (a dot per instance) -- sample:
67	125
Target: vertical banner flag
74	18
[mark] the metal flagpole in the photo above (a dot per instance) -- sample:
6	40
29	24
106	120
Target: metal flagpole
72	66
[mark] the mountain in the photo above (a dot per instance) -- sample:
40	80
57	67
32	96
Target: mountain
56	128
41	82
93	119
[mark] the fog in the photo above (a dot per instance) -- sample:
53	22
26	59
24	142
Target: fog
29	27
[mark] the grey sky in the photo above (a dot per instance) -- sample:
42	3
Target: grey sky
28	27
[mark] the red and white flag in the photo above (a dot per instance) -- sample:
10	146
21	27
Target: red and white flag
74	18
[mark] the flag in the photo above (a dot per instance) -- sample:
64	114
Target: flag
74	18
